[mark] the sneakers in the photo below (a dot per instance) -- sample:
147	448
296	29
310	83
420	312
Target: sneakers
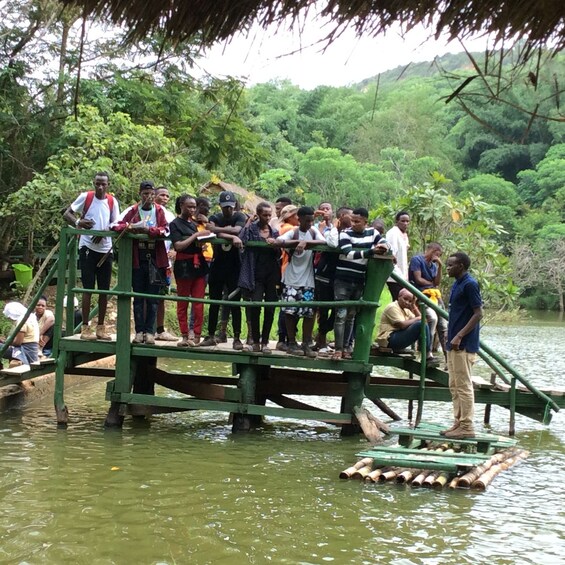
101	333
454	427
195	339
209	341
87	334
138	338
281	346
294	349
185	342
149	339
460	433
266	349
166	336
223	337
254	348
432	362
308	351
237	345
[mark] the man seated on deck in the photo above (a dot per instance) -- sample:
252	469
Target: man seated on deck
25	345
424	273
46	320
401	325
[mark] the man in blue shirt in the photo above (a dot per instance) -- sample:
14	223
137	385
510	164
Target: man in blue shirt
424	273
465	313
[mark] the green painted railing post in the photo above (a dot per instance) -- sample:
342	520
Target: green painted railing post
61	356
378	270
71	269
423	353
123	339
242	422
512	424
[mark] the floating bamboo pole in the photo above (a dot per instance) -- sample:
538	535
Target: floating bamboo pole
485	479
405	476
389	475
360	474
440	481
466	480
350	470
454	482
429	480
373	476
419	479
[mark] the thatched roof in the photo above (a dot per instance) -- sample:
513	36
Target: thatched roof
207	21
247	200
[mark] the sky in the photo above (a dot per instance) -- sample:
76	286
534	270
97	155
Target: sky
270	54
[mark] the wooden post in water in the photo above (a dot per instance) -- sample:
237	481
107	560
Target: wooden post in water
242	421
124	377
378	270
61	410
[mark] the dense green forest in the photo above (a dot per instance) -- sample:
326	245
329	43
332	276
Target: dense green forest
472	145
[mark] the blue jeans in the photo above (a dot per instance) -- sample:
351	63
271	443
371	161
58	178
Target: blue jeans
144	309
401	339
345	316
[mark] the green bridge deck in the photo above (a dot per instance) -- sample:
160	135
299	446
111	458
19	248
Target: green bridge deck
256	377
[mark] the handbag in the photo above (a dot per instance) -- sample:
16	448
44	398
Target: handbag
156	275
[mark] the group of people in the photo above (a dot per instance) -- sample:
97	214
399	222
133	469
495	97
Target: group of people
269	257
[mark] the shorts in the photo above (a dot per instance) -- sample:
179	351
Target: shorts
90	273
298	294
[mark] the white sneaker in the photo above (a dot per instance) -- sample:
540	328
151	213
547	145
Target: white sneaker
166	336
139	338
149	339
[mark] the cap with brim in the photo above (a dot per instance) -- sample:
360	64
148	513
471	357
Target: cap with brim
14	310
227	199
146	184
288	211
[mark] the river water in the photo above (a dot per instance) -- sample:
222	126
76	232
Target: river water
183	489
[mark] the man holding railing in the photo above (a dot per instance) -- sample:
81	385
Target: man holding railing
97	210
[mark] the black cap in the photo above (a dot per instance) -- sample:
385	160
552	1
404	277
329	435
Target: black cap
146	184
227	198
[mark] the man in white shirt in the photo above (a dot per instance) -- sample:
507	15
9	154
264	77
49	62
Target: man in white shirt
298	279
397	238
97	210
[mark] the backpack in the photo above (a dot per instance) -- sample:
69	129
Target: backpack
290	251
90	198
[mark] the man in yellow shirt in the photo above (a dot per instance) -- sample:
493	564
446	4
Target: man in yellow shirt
401	324
25	346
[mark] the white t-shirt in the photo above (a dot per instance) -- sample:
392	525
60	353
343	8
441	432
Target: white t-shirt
99	213
399	245
300	269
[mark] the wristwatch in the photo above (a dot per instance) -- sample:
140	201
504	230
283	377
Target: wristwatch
77	223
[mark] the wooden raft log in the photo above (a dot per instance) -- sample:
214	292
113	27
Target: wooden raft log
372	427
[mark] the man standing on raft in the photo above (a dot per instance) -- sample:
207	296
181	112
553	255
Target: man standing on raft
465	313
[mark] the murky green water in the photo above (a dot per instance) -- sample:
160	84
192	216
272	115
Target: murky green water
184	490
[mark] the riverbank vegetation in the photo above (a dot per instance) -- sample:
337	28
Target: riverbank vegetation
473	146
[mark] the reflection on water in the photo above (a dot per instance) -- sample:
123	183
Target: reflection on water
184	490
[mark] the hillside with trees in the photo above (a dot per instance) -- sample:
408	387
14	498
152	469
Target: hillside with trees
472	145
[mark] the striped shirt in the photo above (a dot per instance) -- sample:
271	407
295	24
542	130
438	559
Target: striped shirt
356	248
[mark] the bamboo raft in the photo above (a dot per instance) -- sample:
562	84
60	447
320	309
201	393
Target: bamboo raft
424	458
